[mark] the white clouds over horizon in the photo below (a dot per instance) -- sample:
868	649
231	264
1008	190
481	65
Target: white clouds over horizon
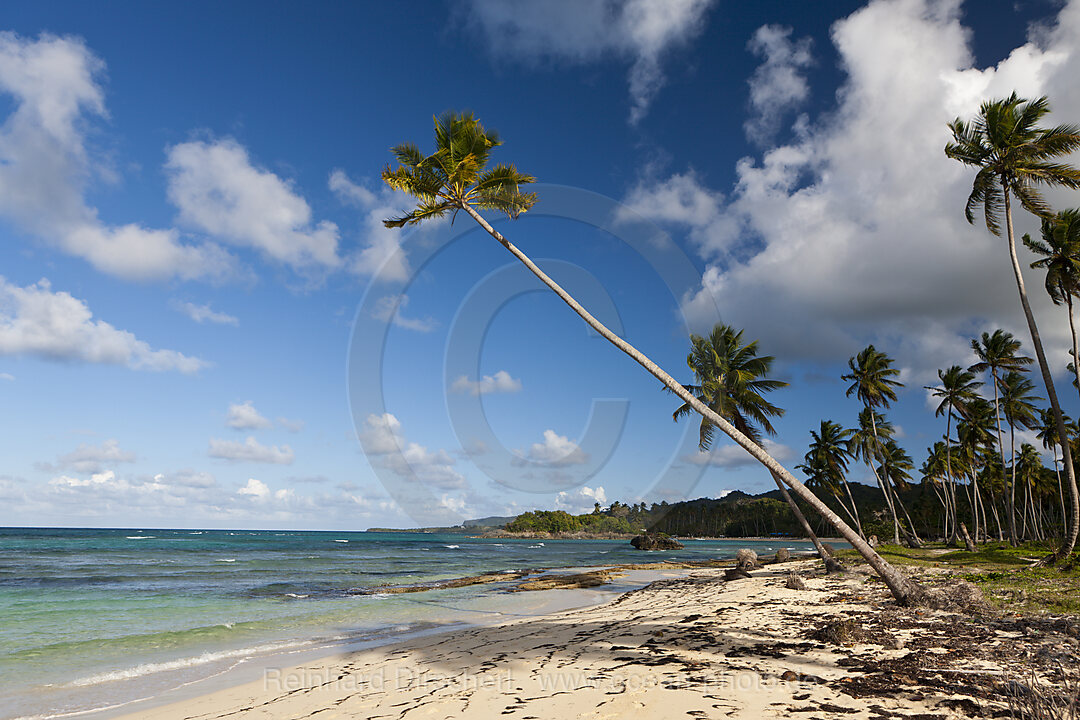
385	445
36	321
584	31
251	450
556	451
853	231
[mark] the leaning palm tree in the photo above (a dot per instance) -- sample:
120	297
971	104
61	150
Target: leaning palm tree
997	353
871	376
1060	252
454	178
1015	156
732	380
958	388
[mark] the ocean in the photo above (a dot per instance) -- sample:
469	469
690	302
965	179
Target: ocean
92	619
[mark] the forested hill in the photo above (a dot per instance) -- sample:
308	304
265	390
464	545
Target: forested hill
737	514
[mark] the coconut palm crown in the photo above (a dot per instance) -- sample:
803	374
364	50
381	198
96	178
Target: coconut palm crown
455	175
1012	154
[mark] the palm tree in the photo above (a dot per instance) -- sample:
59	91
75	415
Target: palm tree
1017	404
958	388
826	461
454	178
867	444
731	381
1060	251
975	435
1048	434
1014	157
1030	471
871	376
895	469
997	353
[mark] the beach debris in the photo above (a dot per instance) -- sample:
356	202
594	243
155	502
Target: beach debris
655	541
736	574
566	582
968	545
832	566
872	541
794	582
746	559
840	632
782	555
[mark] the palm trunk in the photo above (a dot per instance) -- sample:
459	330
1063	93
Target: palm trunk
904	589
949	476
1072	527
798	513
1072	331
854	508
881	483
1010	494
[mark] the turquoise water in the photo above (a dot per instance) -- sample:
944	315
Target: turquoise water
93	618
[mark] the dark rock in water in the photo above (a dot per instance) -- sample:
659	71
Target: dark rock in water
736	574
655	541
783	555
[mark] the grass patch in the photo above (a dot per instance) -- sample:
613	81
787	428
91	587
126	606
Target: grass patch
1003	573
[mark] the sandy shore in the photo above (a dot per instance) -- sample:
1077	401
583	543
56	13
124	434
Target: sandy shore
695	647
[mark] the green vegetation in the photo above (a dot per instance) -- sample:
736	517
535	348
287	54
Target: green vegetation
1004	573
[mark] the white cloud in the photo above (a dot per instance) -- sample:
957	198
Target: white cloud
854	232
390	308
205	313
733	456
36	321
244	416
251	451
255	488
580	500
92	458
682	200
7	376
582	31
383	441
500	382
557	451
382	255
219	191
777	85
46	167
104	479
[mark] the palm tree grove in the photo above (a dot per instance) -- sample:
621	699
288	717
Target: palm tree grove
982	485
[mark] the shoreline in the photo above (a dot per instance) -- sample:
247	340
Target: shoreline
692	645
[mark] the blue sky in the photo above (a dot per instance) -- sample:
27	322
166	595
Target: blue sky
196	290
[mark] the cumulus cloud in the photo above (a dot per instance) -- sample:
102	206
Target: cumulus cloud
580	500
244	416
36	321
556	451
7	376
854	231
733	456
205	313
46	166
384	442
583	31
778	85
93	458
390	308
500	382
219	191
251	451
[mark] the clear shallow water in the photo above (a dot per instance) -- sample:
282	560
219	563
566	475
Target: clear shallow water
93	618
